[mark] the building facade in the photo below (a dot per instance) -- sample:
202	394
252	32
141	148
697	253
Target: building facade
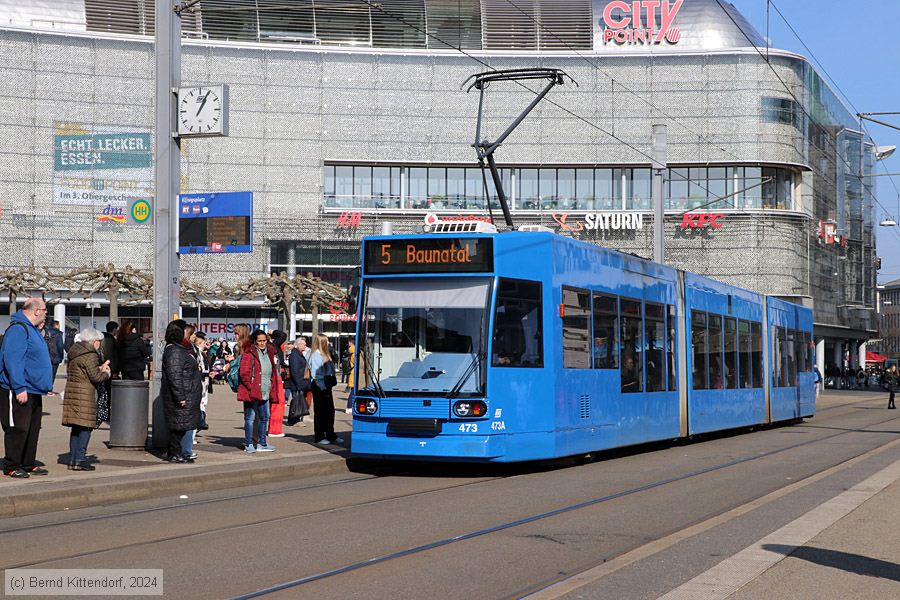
346	115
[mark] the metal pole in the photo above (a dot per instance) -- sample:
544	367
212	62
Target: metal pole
166	272
659	166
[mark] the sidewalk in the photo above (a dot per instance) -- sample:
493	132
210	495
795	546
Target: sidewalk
857	557
126	474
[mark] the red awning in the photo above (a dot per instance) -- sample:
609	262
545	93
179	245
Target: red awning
874	357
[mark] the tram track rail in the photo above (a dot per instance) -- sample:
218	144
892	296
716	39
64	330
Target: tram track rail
546	515
392	498
388	470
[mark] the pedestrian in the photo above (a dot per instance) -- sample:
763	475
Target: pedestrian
26	375
180	390
190	336
132	352
276	405
205	358
891	384
256	383
55	345
286	373
302	398
85	372
351	365
817	380
322	374
108	347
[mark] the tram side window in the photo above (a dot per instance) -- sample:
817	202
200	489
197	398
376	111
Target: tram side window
518	325
791	357
606	332
757	354
632	346
803	352
654	346
745	353
699	350
780	357
671	342
807	353
575	329
716	379
731	353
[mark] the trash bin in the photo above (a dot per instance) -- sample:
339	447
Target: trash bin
129	405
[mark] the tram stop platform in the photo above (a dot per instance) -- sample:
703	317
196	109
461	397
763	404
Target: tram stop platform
135	474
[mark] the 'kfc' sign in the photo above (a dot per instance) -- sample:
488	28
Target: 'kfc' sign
698	225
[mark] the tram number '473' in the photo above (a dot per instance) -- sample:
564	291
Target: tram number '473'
469	428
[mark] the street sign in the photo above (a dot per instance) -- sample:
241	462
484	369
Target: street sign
217	222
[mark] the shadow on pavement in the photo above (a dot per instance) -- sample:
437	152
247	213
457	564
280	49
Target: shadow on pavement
845	561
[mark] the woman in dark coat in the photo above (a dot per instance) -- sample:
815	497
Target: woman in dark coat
181	390
133	352
85	370
892	384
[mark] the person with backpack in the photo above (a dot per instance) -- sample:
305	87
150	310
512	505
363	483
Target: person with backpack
302	396
26	376
256	386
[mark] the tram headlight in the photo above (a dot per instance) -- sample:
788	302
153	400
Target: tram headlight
462	409
366	407
465	408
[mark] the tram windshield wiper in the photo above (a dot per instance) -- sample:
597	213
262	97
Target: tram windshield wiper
374	383
476	361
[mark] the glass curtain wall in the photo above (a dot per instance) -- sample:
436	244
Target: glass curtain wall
557	189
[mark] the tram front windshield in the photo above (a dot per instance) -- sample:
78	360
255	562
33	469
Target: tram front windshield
425	336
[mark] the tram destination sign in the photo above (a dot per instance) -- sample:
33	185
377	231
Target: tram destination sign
429	255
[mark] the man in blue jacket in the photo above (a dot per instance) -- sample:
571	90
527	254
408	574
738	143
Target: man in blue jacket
26	375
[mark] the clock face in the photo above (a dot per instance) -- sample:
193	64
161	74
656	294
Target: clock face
201	111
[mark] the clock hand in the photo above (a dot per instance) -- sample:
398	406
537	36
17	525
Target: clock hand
202	104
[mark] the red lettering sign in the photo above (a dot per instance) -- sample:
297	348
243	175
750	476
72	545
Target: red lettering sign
349	220
700	220
561	220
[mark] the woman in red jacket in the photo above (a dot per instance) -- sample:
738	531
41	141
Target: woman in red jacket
256	388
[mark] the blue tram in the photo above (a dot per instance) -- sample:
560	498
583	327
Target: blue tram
527	345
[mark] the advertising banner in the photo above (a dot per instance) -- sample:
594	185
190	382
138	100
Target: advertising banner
110	167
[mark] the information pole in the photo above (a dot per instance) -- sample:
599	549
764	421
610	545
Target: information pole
166	271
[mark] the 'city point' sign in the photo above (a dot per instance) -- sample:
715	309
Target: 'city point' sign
635	23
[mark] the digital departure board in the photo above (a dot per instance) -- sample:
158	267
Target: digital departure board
215	222
437	254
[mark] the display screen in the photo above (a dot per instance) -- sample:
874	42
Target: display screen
429	255
212	231
215	222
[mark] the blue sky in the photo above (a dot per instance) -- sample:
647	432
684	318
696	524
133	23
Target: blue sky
864	60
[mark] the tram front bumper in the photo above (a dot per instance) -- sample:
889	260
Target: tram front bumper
442	446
